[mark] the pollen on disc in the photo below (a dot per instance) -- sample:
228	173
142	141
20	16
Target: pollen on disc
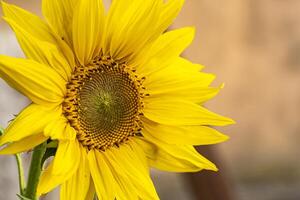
103	103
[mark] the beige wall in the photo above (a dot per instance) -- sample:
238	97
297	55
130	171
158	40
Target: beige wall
254	47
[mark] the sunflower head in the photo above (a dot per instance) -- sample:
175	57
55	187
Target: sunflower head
112	89
104	103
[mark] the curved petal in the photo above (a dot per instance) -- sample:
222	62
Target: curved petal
183	81
190	92
63	167
87	36
169	12
178	76
175	158
122	173
182	135
59	15
42	51
40	83
164	50
91	192
28	21
24	144
131	24
65	157
129	164
31	121
60	129
77	187
105	184
37	28
188	64
178	112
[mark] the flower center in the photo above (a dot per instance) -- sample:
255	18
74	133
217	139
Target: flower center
104	103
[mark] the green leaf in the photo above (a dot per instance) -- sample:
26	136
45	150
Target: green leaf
22	197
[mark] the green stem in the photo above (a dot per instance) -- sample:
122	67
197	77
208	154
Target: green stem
35	171
21	173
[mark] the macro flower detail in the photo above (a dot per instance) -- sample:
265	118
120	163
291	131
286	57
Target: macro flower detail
112	89
104	104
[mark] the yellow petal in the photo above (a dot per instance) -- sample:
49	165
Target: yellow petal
91	192
37	28
189	135
28	21
67	157
183	81
60	129
41	51
24	144
164	50
188	64
62	168
77	187
178	112
31	121
131	24
87	35
103	179
40	83
170	10
190	92
129	164
59	15
179	74
175	158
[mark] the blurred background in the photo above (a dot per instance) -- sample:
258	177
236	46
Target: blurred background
254	47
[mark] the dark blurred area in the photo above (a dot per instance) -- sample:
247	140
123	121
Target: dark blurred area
253	46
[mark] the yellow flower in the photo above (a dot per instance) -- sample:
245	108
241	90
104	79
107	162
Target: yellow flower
115	93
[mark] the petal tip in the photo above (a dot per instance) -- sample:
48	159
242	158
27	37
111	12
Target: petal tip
231	121
212	167
227	121
222	138
3	4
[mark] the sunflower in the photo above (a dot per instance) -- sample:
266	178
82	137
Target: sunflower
112	89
